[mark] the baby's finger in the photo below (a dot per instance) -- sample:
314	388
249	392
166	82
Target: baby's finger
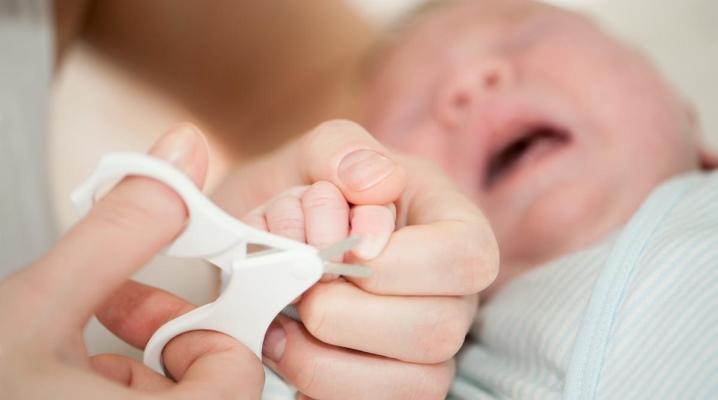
120	234
285	217
414	329
257	218
326	214
374	225
311	366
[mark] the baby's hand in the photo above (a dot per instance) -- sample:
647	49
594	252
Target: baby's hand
320	216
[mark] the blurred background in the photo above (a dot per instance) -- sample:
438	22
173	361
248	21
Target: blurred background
97	108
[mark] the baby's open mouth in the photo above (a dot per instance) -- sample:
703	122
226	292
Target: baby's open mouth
526	145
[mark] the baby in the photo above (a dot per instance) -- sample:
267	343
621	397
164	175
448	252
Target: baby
587	164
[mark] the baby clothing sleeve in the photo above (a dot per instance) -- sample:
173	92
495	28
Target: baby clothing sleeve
663	332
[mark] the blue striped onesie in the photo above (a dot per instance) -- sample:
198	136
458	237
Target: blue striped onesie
634	317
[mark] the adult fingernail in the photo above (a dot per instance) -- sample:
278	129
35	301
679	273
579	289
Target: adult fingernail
362	169
177	146
274	342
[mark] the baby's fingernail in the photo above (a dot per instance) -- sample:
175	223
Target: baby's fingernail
274	342
177	146
363	169
371	246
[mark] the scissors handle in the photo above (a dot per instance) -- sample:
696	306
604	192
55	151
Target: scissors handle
210	233
258	286
257	291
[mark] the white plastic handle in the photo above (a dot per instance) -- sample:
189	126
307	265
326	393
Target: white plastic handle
259	287
210	232
255	294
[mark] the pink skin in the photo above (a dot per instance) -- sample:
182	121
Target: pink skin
320	216
556	130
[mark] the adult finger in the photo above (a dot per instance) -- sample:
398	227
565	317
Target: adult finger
311	366
340	152
213	365
409	328
120	234
444	247
130	373
135	311
206	363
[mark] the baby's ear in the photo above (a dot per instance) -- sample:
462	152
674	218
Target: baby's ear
709	158
707	155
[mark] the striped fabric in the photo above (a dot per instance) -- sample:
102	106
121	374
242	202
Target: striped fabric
275	388
635	317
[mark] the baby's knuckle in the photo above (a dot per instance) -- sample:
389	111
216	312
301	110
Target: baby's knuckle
287	226
323	195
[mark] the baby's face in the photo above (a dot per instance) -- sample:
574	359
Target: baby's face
556	130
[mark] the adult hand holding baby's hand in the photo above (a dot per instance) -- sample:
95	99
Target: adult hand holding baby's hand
394	334
45	306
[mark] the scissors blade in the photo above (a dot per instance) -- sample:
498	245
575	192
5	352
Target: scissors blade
358	271
339	248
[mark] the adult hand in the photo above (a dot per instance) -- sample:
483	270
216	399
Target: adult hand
394	334
44	307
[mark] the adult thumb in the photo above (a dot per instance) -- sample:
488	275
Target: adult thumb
340	152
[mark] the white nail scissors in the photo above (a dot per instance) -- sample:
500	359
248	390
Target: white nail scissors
257	286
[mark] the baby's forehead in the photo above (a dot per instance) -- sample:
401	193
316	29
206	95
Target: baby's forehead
467	15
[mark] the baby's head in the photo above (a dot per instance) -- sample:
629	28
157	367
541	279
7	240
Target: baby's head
554	128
